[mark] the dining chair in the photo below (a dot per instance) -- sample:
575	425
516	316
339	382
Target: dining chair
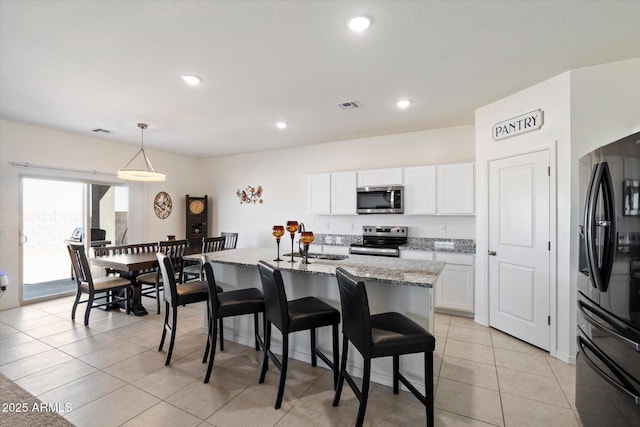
380	335
186	293
99	289
227	304
231	240
209	244
308	313
151	283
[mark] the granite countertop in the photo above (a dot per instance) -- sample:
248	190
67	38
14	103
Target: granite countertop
385	269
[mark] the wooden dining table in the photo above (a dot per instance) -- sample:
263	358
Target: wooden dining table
132	265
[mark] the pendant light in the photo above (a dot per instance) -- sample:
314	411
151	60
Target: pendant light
148	173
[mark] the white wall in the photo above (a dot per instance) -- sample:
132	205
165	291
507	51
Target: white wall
282	174
583	109
37	145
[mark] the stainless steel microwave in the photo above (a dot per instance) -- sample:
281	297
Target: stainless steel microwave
380	200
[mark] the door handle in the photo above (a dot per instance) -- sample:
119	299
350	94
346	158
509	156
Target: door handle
492	253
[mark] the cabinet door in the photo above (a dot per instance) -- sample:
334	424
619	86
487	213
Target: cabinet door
391	176
368	178
376	177
456	188
454	288
343	193
319	193
420	190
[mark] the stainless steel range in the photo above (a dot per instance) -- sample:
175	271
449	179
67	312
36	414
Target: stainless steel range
380	240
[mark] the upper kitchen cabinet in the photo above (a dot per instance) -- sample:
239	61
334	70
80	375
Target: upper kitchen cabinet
456	189
319	193
377	177
343	193
420	190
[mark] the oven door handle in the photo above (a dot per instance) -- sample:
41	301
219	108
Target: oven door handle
623	384
609	327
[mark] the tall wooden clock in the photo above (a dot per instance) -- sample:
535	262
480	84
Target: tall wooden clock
196	226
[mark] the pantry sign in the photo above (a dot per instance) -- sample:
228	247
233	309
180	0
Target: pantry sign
518	125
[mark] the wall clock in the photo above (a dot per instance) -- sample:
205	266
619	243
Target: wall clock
162	205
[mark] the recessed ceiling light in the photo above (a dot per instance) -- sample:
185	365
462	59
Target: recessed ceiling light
191	80
359	23
281	125
403	103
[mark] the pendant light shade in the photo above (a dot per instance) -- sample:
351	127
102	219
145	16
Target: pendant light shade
148	173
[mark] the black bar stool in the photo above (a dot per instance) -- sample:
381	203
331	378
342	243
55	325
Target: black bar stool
292	316
186	293
227	304
380	335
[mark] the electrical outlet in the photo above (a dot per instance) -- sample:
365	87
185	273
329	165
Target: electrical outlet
443	229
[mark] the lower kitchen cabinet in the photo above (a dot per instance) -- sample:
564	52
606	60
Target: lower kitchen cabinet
454	289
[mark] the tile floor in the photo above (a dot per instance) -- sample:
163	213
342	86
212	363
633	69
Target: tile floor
483	377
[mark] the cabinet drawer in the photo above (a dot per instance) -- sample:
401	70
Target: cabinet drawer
460	259
416	254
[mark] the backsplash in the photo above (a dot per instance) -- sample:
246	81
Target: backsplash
449	245
414	243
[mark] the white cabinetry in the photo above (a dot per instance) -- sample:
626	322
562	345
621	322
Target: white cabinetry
454	287
319	193
456	189
343	193
420	190
428	190
375	177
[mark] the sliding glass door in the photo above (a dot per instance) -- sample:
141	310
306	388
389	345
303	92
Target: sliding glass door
57	212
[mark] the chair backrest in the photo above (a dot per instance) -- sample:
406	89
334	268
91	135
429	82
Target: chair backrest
231	240
168	278
275	298
175	250
356	317
213	288
213	244
80	265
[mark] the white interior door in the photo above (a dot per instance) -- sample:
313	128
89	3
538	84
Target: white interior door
519	247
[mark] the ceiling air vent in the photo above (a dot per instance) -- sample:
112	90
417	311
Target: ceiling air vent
349	105
98	130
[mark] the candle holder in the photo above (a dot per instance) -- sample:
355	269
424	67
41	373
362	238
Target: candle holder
306	237
292	227
278	231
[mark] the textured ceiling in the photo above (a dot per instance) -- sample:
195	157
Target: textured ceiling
80	65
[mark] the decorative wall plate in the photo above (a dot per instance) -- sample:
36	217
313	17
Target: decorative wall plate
162	205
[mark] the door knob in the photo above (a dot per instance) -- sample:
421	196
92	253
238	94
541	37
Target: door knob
492	253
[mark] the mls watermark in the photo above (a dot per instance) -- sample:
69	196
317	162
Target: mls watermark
57	407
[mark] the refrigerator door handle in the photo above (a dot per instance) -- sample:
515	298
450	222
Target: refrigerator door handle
609	327
622	382
600	268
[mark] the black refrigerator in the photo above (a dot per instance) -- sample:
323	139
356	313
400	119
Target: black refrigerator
608	330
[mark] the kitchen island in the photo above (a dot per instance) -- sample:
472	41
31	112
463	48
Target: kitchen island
393	284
